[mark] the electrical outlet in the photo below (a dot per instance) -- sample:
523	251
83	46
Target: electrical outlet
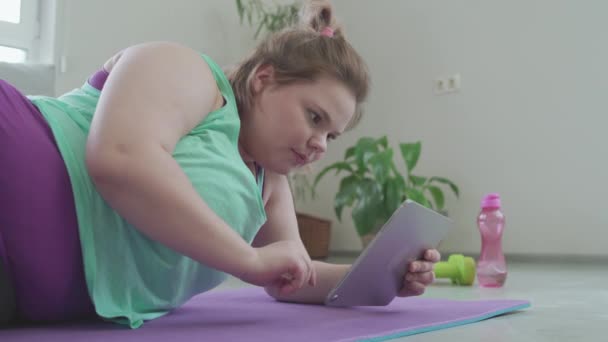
453	83
447	84
440	86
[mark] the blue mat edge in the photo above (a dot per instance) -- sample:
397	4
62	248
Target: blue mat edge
447	325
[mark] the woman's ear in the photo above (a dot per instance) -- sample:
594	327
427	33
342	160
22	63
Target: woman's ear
263	77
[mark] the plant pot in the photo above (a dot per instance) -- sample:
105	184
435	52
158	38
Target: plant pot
315	233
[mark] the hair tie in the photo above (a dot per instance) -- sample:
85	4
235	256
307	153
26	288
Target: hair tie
327	32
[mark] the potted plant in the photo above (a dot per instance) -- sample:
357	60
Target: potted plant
269	18
314	231
374	188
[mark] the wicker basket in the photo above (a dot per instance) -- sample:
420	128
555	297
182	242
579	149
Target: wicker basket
315	233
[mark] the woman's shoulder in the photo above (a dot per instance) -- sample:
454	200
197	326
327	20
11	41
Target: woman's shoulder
175	51
170	63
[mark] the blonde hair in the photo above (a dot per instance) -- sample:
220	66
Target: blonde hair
303	53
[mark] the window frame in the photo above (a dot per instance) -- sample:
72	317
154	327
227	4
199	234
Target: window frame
25	34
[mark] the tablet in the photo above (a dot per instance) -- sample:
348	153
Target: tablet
376	277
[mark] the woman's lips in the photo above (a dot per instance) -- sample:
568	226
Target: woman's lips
300	158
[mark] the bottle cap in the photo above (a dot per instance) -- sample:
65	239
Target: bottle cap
491	201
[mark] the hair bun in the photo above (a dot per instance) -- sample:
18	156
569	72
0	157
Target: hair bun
317	15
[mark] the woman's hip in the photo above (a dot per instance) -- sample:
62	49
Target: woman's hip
39	241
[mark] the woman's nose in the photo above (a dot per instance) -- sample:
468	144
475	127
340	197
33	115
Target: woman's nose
319	144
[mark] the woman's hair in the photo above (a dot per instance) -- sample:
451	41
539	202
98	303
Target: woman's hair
313	48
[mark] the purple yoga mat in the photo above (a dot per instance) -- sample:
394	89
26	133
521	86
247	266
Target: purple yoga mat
249	314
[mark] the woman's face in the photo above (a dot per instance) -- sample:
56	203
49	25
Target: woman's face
289	126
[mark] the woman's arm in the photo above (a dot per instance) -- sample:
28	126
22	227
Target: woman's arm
418	276
282	225
155	94
328	275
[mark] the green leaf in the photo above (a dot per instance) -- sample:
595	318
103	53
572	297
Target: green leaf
364	149
368	213
417	196
240	9
400	182
383	142
273	22
410	153
393	194
338	166
380	164
266	17
249	17
347	194
417	180
437	197
350	152
448	182
395	171
260	27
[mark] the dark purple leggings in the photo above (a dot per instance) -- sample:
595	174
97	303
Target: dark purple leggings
39	241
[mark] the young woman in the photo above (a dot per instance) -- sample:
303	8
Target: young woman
161	175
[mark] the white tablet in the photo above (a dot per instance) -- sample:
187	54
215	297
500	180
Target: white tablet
376	277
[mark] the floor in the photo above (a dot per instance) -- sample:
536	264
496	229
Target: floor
569	303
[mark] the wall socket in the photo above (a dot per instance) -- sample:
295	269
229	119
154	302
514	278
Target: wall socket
447	84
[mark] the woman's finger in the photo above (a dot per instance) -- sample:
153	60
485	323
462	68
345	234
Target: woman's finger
420	266
425	278
412	289
432	255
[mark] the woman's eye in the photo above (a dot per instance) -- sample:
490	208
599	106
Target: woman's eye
316	118
331	137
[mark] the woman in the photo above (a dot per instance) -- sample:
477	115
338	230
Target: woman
160	175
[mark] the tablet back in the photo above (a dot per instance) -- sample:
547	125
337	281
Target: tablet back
377	275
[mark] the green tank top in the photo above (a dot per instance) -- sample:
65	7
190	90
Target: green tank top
131	278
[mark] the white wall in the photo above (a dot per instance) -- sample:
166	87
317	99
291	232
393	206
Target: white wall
527	123
530	121
91	31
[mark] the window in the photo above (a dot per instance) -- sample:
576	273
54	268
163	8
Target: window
19	30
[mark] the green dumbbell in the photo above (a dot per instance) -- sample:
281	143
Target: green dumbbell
459	269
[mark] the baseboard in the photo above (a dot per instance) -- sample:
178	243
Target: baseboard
512	257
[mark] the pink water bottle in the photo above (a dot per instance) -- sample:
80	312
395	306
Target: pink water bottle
491	266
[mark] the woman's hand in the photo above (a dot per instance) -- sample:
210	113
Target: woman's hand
283	265
419	274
